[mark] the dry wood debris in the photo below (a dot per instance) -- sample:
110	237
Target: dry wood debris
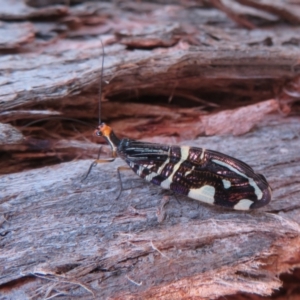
223	74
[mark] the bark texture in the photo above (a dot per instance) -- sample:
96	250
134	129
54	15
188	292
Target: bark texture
223	75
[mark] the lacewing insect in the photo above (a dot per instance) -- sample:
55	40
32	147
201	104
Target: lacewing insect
201	174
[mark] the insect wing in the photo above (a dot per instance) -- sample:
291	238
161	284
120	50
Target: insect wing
200	174
238	186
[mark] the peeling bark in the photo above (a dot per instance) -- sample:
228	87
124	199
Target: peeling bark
77	239
185	73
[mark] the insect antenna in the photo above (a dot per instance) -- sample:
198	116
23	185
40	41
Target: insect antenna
99	111
41	145
100	84
56	118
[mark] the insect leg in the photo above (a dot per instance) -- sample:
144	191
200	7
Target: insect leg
119	169
120	179
94	163
176	198
97	161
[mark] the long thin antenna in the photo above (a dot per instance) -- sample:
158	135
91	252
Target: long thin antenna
57	118
100	84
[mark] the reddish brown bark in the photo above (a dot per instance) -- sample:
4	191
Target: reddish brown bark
180	73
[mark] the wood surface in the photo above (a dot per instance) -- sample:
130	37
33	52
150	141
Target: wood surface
223	75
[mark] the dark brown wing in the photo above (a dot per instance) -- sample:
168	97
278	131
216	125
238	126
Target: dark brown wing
198	173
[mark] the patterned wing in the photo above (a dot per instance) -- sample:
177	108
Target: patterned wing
200	174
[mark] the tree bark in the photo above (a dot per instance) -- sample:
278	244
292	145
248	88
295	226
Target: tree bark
169	77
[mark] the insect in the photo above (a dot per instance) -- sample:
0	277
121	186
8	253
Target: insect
201	174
